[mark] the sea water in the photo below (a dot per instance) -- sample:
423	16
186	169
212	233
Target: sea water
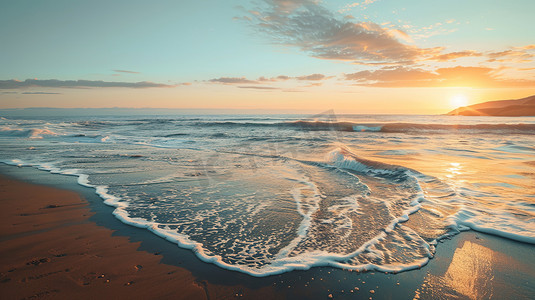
266	194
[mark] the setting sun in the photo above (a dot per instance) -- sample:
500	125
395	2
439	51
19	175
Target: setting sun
458	101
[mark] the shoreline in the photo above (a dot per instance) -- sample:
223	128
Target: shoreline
84	211
50	248
54	243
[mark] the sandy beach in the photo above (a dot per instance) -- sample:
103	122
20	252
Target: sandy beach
53	245
50	249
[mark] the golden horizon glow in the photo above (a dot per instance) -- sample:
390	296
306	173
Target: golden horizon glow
458	100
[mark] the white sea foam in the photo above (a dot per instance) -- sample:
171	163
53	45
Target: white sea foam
34	133
499	223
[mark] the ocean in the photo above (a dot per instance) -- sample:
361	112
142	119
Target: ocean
268	194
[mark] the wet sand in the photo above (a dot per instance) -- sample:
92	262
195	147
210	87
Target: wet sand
64	243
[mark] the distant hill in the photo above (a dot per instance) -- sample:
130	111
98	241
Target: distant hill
503	108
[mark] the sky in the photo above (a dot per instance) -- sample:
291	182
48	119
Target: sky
366	56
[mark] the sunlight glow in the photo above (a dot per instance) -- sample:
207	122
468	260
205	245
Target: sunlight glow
458	101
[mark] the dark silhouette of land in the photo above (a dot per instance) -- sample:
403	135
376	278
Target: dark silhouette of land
503	108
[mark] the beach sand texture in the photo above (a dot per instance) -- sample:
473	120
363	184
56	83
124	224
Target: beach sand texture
49	249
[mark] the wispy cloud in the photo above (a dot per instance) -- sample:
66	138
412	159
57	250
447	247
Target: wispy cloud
362	5
439	28
528	47
274	79
263	79
54	83
126	71
254	87
314	84
315	30
313	77
232	80
514	55
442	77
455	55
40	93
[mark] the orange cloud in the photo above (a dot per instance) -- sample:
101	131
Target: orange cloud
513	55
443	77
312	77
315	30
455	55
263	79
528	47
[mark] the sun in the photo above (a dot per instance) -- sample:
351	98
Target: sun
459	101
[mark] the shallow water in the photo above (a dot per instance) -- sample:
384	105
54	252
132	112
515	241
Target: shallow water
269	194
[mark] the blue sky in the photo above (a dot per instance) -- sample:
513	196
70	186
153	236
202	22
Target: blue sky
236	50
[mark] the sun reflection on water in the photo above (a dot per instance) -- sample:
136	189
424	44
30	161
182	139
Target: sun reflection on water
469	275
453	170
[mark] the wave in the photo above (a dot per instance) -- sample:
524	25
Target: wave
167	128
175	134
414	128
459	128
502	224
34	133
474	217
417	127
344	158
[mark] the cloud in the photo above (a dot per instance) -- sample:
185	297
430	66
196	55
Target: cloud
313	29
362	5
314	84
390	75
514	55
54	83
528	47
455	55
312	77
288	6
232	80
397	33
283	77
126	71
442	77
274	79
263	79
259	87
40	93
438	28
